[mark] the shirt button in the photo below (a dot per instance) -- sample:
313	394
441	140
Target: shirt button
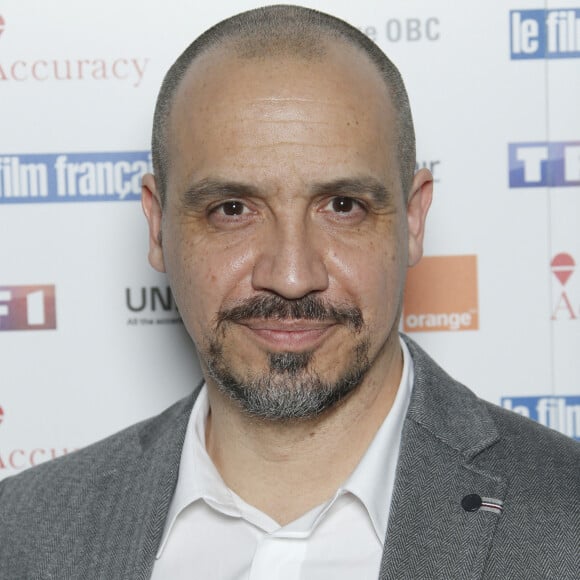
471	502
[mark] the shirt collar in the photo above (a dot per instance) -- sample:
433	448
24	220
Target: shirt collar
373	479
371	482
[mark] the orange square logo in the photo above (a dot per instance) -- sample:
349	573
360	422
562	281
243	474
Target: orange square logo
441	294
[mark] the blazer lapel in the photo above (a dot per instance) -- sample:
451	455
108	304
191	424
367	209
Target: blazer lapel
447	501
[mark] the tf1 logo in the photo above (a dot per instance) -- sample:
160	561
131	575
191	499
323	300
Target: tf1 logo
27	307
544	164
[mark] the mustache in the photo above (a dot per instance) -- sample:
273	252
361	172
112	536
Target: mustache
306	308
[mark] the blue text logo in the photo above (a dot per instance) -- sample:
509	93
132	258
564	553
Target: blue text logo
64	177
559	413
543	164
545	33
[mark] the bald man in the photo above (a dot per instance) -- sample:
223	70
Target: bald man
322	444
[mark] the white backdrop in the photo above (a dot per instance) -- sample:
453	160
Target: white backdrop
89	338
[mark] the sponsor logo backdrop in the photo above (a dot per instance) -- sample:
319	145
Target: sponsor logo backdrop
90	339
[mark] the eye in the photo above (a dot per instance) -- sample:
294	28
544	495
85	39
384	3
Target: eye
232	213
231	208
343	204
347	207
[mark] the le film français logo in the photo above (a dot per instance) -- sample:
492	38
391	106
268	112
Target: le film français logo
545	34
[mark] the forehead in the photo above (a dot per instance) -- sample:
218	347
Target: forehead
226	104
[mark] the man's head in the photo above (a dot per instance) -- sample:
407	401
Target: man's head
280	211
276	31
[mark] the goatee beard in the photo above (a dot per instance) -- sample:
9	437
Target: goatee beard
290	389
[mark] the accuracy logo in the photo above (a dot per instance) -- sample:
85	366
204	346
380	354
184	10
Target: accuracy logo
71	177
545	33
18	459
27	308
556	412
441	295
543	164
125	68
121	69
563	266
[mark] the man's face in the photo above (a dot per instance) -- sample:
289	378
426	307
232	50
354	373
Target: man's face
284	235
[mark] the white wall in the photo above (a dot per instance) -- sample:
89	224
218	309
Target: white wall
105	366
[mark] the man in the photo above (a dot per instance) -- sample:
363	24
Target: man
285	212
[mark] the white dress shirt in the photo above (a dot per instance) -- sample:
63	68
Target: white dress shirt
213	534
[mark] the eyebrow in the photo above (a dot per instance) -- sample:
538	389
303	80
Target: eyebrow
199	194
356	186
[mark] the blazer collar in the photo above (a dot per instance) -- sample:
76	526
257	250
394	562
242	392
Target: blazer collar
447	409
446	444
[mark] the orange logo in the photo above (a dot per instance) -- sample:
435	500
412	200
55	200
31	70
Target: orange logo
441	294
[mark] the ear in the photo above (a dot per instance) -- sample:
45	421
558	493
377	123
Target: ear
152	208
418	204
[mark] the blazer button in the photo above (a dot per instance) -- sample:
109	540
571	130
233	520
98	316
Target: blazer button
471	502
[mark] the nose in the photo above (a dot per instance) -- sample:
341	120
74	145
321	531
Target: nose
290	263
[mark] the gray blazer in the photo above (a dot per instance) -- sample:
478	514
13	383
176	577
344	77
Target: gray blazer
99	513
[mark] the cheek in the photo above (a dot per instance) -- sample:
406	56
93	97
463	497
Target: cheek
204	277
371	275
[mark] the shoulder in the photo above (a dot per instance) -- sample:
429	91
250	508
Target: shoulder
52	512
41	484
488	435
535	450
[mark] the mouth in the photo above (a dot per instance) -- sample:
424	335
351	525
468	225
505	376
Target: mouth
289	335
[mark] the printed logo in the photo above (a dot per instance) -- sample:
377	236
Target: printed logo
433	166
563	266
151	305
129	69
545	33
405	30
27	308
543	164
412	29
559	413
71	177
441	294
19	459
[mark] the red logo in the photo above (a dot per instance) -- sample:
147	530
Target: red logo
125	68
1	415
563	266
27	308
19	459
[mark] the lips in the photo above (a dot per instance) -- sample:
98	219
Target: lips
289	335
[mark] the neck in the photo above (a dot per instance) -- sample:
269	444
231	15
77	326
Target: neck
287	468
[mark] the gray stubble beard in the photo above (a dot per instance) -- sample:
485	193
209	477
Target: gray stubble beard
291	390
